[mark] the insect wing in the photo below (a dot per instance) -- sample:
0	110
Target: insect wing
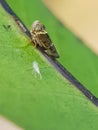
44	40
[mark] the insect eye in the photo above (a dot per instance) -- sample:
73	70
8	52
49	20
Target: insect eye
40	27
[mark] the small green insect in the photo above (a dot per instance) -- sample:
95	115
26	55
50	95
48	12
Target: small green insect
40	37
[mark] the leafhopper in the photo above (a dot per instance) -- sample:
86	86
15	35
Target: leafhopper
40	37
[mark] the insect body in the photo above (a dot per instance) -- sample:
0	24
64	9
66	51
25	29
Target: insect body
40	37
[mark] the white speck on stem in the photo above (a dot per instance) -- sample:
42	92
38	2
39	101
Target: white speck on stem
36	69
91	97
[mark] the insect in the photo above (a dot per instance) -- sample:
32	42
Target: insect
36	69
40	37
7	27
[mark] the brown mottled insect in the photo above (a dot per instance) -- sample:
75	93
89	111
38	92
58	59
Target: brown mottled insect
40	37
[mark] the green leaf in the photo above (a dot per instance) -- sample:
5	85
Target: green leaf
74	55
33	103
